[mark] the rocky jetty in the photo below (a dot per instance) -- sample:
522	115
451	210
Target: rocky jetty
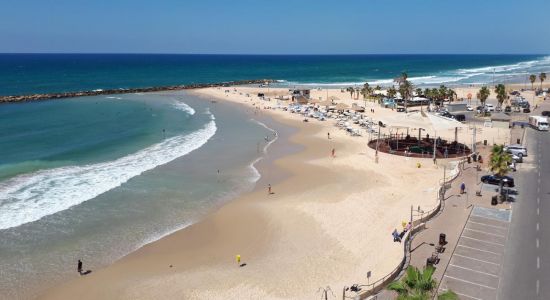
36	97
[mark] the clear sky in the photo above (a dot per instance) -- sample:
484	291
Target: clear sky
275	26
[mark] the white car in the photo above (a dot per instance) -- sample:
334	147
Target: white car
517	150
490	107
469	108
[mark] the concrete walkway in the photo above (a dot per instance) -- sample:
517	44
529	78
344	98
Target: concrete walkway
452	219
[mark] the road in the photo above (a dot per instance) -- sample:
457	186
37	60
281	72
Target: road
526	264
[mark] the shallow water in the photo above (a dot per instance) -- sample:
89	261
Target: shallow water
152	185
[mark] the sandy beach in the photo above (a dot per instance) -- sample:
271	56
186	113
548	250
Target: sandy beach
327	223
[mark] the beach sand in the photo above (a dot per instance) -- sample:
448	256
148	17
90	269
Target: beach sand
328	222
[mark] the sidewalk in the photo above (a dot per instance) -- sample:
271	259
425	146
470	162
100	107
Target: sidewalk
452	218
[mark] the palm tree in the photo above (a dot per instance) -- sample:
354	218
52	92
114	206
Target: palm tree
418	92
405	89
499	162
532	78
483	94
442	92
391	92
500	90
418	285
451	94
447	295
542	77
366	91
351	91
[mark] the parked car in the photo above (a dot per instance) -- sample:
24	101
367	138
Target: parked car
459	117
512	166
516	149
507	181
545	113
517	159
489	107
469	108
508	109
526	110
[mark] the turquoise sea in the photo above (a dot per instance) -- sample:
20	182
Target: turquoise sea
95	178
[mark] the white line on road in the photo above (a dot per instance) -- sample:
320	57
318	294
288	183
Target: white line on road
467	237
538	211
476	259
501	227
538	200
479	249
482	285
467	296
537	242
538	286
499	235
538	262
473	270
538	226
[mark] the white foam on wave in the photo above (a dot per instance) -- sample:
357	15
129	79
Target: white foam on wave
252	165
30	197
184	107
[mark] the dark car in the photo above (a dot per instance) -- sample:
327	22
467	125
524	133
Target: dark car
508	109
494	179
459	117
526	110
545	113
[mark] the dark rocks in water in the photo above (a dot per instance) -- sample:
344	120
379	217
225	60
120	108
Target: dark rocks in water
36	97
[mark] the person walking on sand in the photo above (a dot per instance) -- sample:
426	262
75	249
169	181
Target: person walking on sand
238	259
328	135
462	188
333	152
269	192
79	267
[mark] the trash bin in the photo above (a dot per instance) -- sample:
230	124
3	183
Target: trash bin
484	142
429	262
518	141
469	159
442	238
494	200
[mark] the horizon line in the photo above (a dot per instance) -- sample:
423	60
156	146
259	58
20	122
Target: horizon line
259	54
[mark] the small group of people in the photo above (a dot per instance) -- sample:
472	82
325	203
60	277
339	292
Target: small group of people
397	237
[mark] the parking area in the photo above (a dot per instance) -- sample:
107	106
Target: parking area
474	269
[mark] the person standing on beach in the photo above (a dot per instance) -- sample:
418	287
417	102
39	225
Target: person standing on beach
462	188
333	152
328	135
79	267
269	189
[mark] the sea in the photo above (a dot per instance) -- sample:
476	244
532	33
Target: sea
95	178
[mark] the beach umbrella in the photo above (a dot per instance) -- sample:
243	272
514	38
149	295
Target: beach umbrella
342	106
326	103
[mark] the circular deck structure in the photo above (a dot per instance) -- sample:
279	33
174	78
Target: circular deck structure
424	148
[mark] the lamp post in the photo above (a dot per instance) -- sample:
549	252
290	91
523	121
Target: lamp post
377	142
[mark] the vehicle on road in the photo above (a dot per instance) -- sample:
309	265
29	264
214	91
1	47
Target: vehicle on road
527	110
459	117
489	107
508	109
516	149
539	123
545	113
507	181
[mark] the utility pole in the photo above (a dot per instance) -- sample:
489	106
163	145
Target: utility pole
377	143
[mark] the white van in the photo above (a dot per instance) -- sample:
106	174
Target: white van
539	122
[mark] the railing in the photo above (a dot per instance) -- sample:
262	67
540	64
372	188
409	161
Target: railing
417	226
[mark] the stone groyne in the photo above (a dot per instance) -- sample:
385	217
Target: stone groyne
36	97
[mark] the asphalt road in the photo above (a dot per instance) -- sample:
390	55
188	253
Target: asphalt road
526	265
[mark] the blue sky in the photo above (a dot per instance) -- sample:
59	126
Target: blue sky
275	26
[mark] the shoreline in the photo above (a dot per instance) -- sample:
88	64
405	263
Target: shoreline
306	210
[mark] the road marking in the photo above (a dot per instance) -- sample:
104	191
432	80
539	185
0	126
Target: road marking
474	270
476	259
482	241
482	285
538	262
499	235
538	200
501	227
467	296
538	226
539	180
537	242
479	249
538	211
538	286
